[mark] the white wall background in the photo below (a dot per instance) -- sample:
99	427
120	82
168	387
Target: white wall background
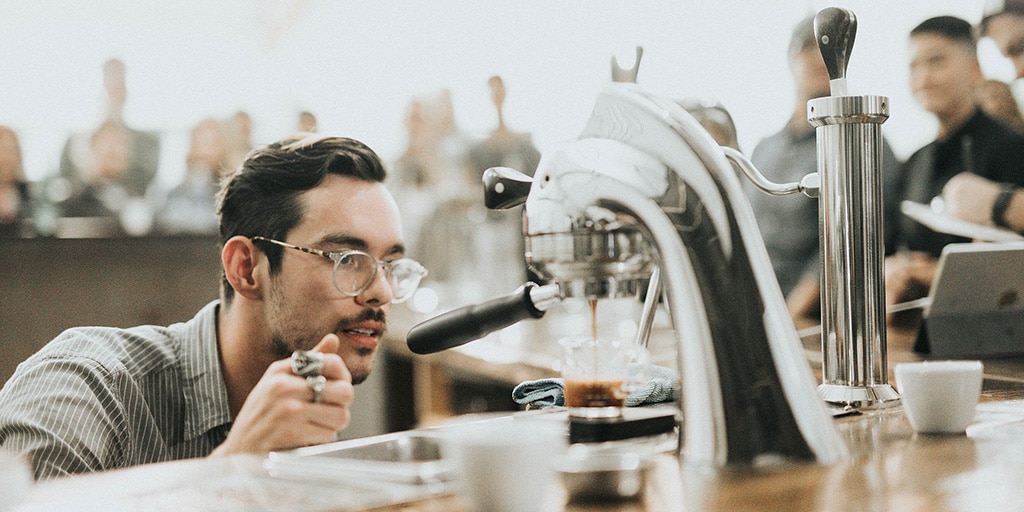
357	64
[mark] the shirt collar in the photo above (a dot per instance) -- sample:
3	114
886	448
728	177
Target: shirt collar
206	396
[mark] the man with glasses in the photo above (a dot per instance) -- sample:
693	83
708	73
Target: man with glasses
312	260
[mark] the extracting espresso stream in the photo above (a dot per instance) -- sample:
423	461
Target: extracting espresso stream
592	388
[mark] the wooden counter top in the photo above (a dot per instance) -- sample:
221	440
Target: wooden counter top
890	469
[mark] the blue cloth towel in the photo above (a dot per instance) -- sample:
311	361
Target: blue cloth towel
661	385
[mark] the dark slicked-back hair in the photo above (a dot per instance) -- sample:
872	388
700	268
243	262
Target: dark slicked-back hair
262	197
955	29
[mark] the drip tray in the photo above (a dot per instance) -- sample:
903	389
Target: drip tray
635	422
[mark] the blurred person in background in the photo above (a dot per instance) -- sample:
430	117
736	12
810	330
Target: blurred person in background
238	129
714	118
114	162
972	197
191	207
432	168
14	194
307	122
312	259
789	224
1003	21
996	99
503	147
944	77
434	157
498	235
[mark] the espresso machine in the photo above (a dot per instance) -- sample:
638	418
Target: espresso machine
644	187
644	199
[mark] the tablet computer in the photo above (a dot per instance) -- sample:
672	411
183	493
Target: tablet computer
977	302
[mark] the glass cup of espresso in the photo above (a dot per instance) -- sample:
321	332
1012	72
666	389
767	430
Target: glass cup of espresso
599	374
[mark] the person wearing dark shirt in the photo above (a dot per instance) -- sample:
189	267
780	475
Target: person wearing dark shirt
944	75
982	146
971	197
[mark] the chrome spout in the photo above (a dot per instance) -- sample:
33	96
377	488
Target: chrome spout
809	185
645	166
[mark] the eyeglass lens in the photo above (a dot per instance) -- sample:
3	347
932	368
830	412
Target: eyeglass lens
356	271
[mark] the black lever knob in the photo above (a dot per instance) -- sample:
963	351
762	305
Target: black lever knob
835	30
505	188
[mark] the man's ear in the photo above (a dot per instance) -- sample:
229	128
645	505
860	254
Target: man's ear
239	258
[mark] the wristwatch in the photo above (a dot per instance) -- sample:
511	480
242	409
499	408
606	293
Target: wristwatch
1002	203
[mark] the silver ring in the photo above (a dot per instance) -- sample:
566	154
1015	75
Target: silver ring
316	383
307	362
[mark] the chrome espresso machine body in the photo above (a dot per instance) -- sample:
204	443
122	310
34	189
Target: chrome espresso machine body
645	196
645	187
643	166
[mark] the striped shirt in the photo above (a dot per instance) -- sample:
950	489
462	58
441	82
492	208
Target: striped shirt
98	398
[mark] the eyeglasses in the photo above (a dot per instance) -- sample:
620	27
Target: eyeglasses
354	271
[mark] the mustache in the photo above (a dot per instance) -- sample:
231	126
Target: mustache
368	314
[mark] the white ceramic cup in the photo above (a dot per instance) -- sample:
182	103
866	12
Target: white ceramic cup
940	397
507	464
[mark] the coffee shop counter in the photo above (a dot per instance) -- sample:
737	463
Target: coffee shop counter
890	469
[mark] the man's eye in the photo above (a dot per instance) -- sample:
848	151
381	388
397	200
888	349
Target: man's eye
1015	49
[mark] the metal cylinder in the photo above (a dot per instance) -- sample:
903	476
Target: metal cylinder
849	136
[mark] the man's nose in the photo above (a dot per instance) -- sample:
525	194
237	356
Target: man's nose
378	293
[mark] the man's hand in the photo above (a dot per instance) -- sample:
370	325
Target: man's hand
908	276
279	413
969	197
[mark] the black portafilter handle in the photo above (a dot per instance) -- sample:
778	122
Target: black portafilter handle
463	325
505	188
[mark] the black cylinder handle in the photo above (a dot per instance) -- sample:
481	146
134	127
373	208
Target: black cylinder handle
463	325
